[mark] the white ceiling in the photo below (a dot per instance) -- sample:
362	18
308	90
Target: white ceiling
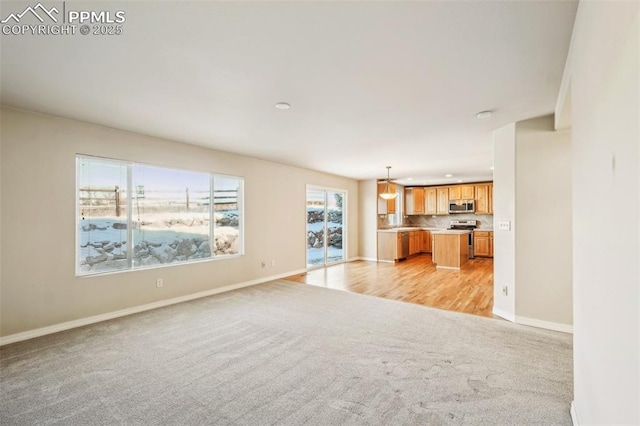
371	84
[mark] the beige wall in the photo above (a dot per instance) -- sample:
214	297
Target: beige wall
39	287
368	223
543	220
504	242
604	70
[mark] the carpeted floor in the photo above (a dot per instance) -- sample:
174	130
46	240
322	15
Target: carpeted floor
283	353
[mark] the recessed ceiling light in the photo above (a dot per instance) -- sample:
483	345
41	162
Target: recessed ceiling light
409	178
460	181
448	175
484	115
283	105
491	167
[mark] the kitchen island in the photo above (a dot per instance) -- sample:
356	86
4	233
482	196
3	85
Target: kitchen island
395	244
450	248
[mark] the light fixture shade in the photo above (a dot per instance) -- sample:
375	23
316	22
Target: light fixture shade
388	195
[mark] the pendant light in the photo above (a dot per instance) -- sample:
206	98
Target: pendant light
388	194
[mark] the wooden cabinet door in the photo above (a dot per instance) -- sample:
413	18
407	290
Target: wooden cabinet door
430	201
426	241
418	200
468	192
482	199
413	200
455	192
481	244
414	242
443	200
409	201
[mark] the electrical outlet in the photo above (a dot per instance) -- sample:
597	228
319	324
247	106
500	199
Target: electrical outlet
505	290
273	263
159	283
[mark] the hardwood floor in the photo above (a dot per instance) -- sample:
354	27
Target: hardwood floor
415	280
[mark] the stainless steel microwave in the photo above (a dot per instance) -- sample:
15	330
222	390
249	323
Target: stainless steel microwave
462	206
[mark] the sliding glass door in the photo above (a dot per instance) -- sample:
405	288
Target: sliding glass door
325	226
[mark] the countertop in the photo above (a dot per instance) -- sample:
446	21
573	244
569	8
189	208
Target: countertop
409	228
452	231
433	230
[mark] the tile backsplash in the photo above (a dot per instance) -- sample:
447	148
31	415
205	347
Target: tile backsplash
485	221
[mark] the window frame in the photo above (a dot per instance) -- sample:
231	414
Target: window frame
129	217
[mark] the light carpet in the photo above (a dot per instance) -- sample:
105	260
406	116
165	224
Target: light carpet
291	354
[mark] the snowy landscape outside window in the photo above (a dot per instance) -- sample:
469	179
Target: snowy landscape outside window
102	215
170	215
227	197
133	216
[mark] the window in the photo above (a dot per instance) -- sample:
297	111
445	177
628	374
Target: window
227	195
135	216
396	218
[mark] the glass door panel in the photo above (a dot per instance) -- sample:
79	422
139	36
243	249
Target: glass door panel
315	227
325	227
335	226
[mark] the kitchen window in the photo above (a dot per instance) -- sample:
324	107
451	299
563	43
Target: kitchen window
132	216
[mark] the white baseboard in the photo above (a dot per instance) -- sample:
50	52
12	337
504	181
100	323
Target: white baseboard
555	326
504	314
369	259
38	332
574	415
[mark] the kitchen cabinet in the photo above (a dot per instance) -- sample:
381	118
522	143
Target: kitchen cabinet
461	192
484	198
386	206
483	243
450	249
415	243
426	241
389	246
455	193
468	192
414	200
442	195
430	201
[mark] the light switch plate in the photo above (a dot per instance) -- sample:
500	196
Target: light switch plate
504	225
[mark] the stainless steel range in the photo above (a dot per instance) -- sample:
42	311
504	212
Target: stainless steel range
466	225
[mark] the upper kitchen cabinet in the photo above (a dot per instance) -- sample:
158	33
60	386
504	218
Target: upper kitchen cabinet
414	202
484	198
461	192
430	201
468	192
442	195
386	206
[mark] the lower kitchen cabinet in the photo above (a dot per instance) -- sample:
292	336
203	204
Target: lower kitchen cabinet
483	243
389	246
415	242
426	241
